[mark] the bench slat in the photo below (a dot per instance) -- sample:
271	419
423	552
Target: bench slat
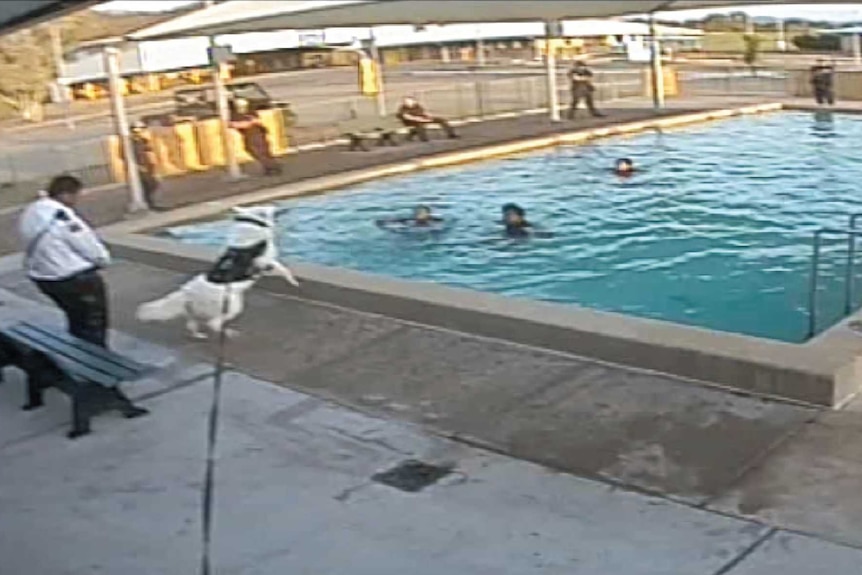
72	368
75	354
77	362
101	353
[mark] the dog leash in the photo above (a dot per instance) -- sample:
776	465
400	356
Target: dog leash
212	441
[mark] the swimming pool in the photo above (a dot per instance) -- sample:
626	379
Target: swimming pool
714	231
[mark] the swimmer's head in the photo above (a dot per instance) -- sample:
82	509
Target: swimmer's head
513	214
422	214
625	166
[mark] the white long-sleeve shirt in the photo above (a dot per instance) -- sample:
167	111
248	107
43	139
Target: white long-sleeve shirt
58	244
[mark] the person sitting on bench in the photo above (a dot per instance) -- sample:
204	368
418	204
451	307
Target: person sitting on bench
413	115
63	255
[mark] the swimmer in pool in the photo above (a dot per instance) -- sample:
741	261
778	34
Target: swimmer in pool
624	167
514	218
422	217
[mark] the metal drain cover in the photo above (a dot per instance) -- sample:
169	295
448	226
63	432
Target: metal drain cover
412	475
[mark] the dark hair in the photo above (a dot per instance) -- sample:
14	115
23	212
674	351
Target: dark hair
62	185
513	208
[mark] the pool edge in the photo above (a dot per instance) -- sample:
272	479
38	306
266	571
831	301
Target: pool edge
824	371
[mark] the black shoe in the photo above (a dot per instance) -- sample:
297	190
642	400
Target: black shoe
598	115
454	136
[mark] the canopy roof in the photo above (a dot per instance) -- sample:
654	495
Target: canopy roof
16	14
238	16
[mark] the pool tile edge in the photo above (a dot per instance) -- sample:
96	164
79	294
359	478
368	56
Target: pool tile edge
817	372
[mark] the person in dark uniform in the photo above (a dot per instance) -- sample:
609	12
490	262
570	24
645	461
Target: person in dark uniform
582	88
63	256
145	157
822	82
413	115
515	221
254	136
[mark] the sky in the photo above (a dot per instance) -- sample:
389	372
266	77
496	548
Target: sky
834	12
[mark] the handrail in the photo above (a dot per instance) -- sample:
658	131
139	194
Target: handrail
851	258
815	266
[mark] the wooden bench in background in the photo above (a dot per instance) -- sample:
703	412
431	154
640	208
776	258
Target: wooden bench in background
381	130
90	375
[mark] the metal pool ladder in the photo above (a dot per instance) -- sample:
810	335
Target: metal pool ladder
849	279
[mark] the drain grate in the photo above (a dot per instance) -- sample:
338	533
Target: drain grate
412	475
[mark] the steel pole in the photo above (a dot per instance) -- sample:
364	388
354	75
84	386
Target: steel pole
551	71
121	125
655	61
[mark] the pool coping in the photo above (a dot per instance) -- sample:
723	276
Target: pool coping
822	371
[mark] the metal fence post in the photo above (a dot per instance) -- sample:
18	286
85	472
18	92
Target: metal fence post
480	99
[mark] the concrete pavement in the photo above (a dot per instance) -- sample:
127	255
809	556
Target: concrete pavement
295	487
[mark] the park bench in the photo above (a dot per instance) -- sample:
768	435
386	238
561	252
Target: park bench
89	374
380	129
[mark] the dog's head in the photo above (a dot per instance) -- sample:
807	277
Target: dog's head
252	225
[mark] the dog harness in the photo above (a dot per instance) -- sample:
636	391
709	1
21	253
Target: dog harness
237	264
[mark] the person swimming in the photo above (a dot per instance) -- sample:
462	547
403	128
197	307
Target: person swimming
422	217
624	167
515	220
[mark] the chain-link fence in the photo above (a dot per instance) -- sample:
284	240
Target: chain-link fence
734	82
25	169
320	121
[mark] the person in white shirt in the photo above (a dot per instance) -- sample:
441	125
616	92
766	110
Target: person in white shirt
63	256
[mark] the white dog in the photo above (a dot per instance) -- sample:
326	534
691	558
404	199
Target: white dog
217	297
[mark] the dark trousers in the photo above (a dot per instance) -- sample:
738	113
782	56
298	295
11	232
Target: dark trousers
824	95
257	147
586	95
150	184
83	298
421	128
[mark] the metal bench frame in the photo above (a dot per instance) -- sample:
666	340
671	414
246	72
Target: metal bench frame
90	375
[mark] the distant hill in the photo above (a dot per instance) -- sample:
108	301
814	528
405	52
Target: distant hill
89	25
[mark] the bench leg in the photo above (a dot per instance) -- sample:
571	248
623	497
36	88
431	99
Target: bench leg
34	392
80	417
125	405
387	138
356	143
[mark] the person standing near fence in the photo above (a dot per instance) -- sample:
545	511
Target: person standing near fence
255	136
581	84
823	82
145	157
63	256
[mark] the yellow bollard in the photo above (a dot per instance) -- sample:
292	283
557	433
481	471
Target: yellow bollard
165	146
208	137
187	146
277	135
114	153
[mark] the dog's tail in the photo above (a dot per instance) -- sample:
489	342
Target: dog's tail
169	307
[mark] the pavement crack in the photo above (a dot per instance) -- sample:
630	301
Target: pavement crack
733	563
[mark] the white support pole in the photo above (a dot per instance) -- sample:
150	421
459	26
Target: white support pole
381	88
223	107
655	60
551	31
445	56
480	48
857	49
782	36
121	123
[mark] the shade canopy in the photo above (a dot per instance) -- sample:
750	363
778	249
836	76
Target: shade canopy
239	16
15	14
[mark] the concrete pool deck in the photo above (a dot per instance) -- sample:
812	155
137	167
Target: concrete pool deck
821	371
669	477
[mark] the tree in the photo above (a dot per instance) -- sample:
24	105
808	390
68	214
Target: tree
26	70
752	50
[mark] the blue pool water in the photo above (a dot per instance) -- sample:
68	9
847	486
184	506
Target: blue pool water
714	231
